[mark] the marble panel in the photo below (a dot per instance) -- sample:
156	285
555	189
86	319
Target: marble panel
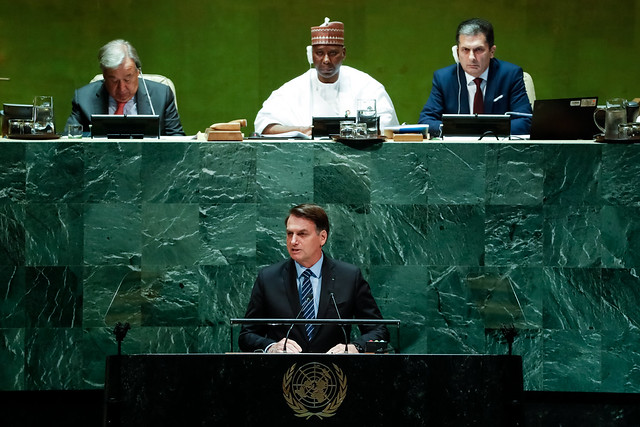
573	299
572	174
456	235
170	172
228	233
572	236
285	172
12	234
620	297
620	361
53	297
170	234
456	174
350	235
513	234
54	234
619	178
400	174
620	228
169	296
54	359
341	175
112	234
13	172
112	293
55	172
271	236
112	173
160	339
514	174
224	292
400	235
12	297
572	360
12	358
228	173
401	293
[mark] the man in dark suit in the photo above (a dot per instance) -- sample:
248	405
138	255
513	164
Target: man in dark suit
279	292
122	92
455	90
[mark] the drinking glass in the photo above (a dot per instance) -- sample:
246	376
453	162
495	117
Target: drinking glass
43	115
366	109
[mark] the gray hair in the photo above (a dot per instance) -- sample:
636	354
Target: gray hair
113	54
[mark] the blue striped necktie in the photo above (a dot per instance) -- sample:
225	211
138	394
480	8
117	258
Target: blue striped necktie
306	300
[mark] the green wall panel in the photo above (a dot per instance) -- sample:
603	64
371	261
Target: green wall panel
226	57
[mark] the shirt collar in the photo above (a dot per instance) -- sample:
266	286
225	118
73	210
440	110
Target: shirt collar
484	76
316	268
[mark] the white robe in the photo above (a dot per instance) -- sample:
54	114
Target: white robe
299	100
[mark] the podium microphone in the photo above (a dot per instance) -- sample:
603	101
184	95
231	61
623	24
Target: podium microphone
346	343
286	338
153	111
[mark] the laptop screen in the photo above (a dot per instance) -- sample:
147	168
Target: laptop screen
324	127
125	127
480	125
564	118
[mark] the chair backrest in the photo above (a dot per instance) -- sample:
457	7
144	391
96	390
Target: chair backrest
154	78
528	86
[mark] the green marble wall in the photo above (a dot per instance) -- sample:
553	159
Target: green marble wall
456	239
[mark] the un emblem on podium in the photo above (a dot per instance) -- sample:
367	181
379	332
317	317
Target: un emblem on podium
314	389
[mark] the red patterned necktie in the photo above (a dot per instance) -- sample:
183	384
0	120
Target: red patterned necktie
478	101
120	109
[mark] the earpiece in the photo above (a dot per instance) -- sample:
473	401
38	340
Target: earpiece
309	55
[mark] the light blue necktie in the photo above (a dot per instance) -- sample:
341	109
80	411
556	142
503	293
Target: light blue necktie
306	300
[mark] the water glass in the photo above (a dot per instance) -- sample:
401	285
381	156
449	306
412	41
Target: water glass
346	129
43	115
366	113
74	131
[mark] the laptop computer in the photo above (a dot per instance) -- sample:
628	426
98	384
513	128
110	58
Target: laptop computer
564	118
324	127
480	125
125	127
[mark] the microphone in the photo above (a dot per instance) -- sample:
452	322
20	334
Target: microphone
153	111
286	338
518	114
346	342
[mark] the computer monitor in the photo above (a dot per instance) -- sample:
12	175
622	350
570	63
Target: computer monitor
480	125
125	127
324	127
564	118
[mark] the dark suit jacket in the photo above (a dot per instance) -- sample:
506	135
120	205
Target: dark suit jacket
275	295
94	99
504	79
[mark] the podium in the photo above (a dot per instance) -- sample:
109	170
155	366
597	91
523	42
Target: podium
253	389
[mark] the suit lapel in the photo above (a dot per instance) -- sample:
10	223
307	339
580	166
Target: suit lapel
101	101
290	283
142	101
326	287
490	94
461	86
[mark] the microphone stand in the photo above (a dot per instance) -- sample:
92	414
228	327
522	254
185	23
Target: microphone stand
286	338
344	332
153	111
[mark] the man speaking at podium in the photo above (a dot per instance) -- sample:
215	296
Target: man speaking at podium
310	285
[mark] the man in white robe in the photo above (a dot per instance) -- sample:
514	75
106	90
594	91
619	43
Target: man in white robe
327	90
